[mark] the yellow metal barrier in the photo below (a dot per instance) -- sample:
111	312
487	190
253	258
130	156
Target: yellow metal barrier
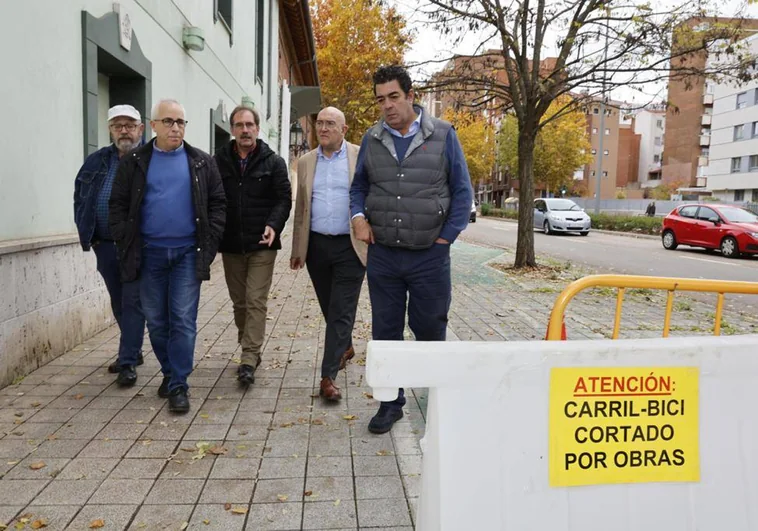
624	282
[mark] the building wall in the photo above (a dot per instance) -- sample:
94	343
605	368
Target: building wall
646	125
722	179
610	143
628	156
52	296
683	119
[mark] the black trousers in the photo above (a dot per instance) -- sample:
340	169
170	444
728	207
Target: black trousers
337	275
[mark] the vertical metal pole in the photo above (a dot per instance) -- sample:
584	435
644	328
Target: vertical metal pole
601	131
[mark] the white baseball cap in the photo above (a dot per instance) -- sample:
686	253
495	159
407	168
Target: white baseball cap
123	110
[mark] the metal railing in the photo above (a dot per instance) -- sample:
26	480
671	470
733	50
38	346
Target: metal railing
624	282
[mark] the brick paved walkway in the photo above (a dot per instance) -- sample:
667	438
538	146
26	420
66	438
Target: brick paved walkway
77	452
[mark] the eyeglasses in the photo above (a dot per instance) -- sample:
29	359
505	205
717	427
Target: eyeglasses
326	124
169	122
118	127
244	125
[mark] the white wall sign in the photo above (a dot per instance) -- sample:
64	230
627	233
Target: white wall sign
124	27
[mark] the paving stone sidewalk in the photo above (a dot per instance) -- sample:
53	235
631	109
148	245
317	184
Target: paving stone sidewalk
77	452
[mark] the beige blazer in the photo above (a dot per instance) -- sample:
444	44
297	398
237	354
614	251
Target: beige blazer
306	171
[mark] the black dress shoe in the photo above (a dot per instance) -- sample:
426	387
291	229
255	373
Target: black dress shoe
163	389
384	419
127	377
246	374
178	401
114	367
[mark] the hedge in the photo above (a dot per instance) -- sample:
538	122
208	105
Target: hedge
638	224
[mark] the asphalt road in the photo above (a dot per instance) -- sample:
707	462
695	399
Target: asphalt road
618	254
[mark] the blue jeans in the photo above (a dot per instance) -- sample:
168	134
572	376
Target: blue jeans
420	278
170	293
125	303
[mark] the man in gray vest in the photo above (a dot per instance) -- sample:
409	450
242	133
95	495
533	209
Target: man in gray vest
410	198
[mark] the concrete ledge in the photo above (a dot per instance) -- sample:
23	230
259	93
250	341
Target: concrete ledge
31	244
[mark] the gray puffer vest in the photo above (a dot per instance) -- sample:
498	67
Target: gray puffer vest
408	200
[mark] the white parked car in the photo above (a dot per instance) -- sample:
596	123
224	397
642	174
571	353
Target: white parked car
553	215
472	216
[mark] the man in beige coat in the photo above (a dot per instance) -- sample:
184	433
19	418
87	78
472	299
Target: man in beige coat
323	240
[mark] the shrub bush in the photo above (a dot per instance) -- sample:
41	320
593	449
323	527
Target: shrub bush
485	208
639	224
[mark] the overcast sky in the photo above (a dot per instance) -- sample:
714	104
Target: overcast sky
430	47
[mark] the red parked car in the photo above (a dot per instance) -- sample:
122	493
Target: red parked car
731	229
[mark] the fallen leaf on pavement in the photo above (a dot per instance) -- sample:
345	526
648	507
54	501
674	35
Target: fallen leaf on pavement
97	524
282	497
287	425
350	417
239	510
37	465
336	502
79	396
217	450
383	452
227	506
207	522
39	523
184	526
318	422
308	493
36	404
368	395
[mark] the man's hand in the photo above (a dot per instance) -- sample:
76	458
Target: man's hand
296	263
363	230
443	241
269	235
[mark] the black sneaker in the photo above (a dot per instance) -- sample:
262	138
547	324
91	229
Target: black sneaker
384	419
127	377
178	401
246	374
114	367
163	389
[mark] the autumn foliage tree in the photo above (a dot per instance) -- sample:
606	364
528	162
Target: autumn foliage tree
477	137
353	39
562	146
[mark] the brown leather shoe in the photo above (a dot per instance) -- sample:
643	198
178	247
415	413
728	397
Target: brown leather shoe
329	391
347	356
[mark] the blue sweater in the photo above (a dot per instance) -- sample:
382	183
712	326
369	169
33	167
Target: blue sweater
168	215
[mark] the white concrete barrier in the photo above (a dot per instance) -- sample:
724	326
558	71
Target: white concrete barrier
508	425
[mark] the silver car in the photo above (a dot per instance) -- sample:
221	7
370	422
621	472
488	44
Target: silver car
553	215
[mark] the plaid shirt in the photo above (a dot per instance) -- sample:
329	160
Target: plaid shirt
102	231
243	162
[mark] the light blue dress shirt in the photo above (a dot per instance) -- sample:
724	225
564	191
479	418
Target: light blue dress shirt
412	130
330	202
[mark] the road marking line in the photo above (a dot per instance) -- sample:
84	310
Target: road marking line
711	261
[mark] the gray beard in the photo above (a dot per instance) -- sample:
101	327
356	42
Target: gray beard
125	145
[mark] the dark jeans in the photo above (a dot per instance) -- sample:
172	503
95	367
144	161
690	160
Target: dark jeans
420	278
170	294
337	276
125	303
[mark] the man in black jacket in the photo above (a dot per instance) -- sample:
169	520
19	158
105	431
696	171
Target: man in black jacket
258	201
167	213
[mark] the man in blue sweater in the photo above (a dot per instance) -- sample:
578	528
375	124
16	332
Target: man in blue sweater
168	211
410	198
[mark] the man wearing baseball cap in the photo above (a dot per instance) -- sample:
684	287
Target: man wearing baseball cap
92	190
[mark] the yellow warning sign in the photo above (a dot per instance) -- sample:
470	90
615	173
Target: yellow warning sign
623	425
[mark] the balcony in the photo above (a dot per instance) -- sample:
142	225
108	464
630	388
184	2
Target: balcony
706	119
702	161
705	140
707	99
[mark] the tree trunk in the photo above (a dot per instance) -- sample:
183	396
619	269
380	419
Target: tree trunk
525	241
